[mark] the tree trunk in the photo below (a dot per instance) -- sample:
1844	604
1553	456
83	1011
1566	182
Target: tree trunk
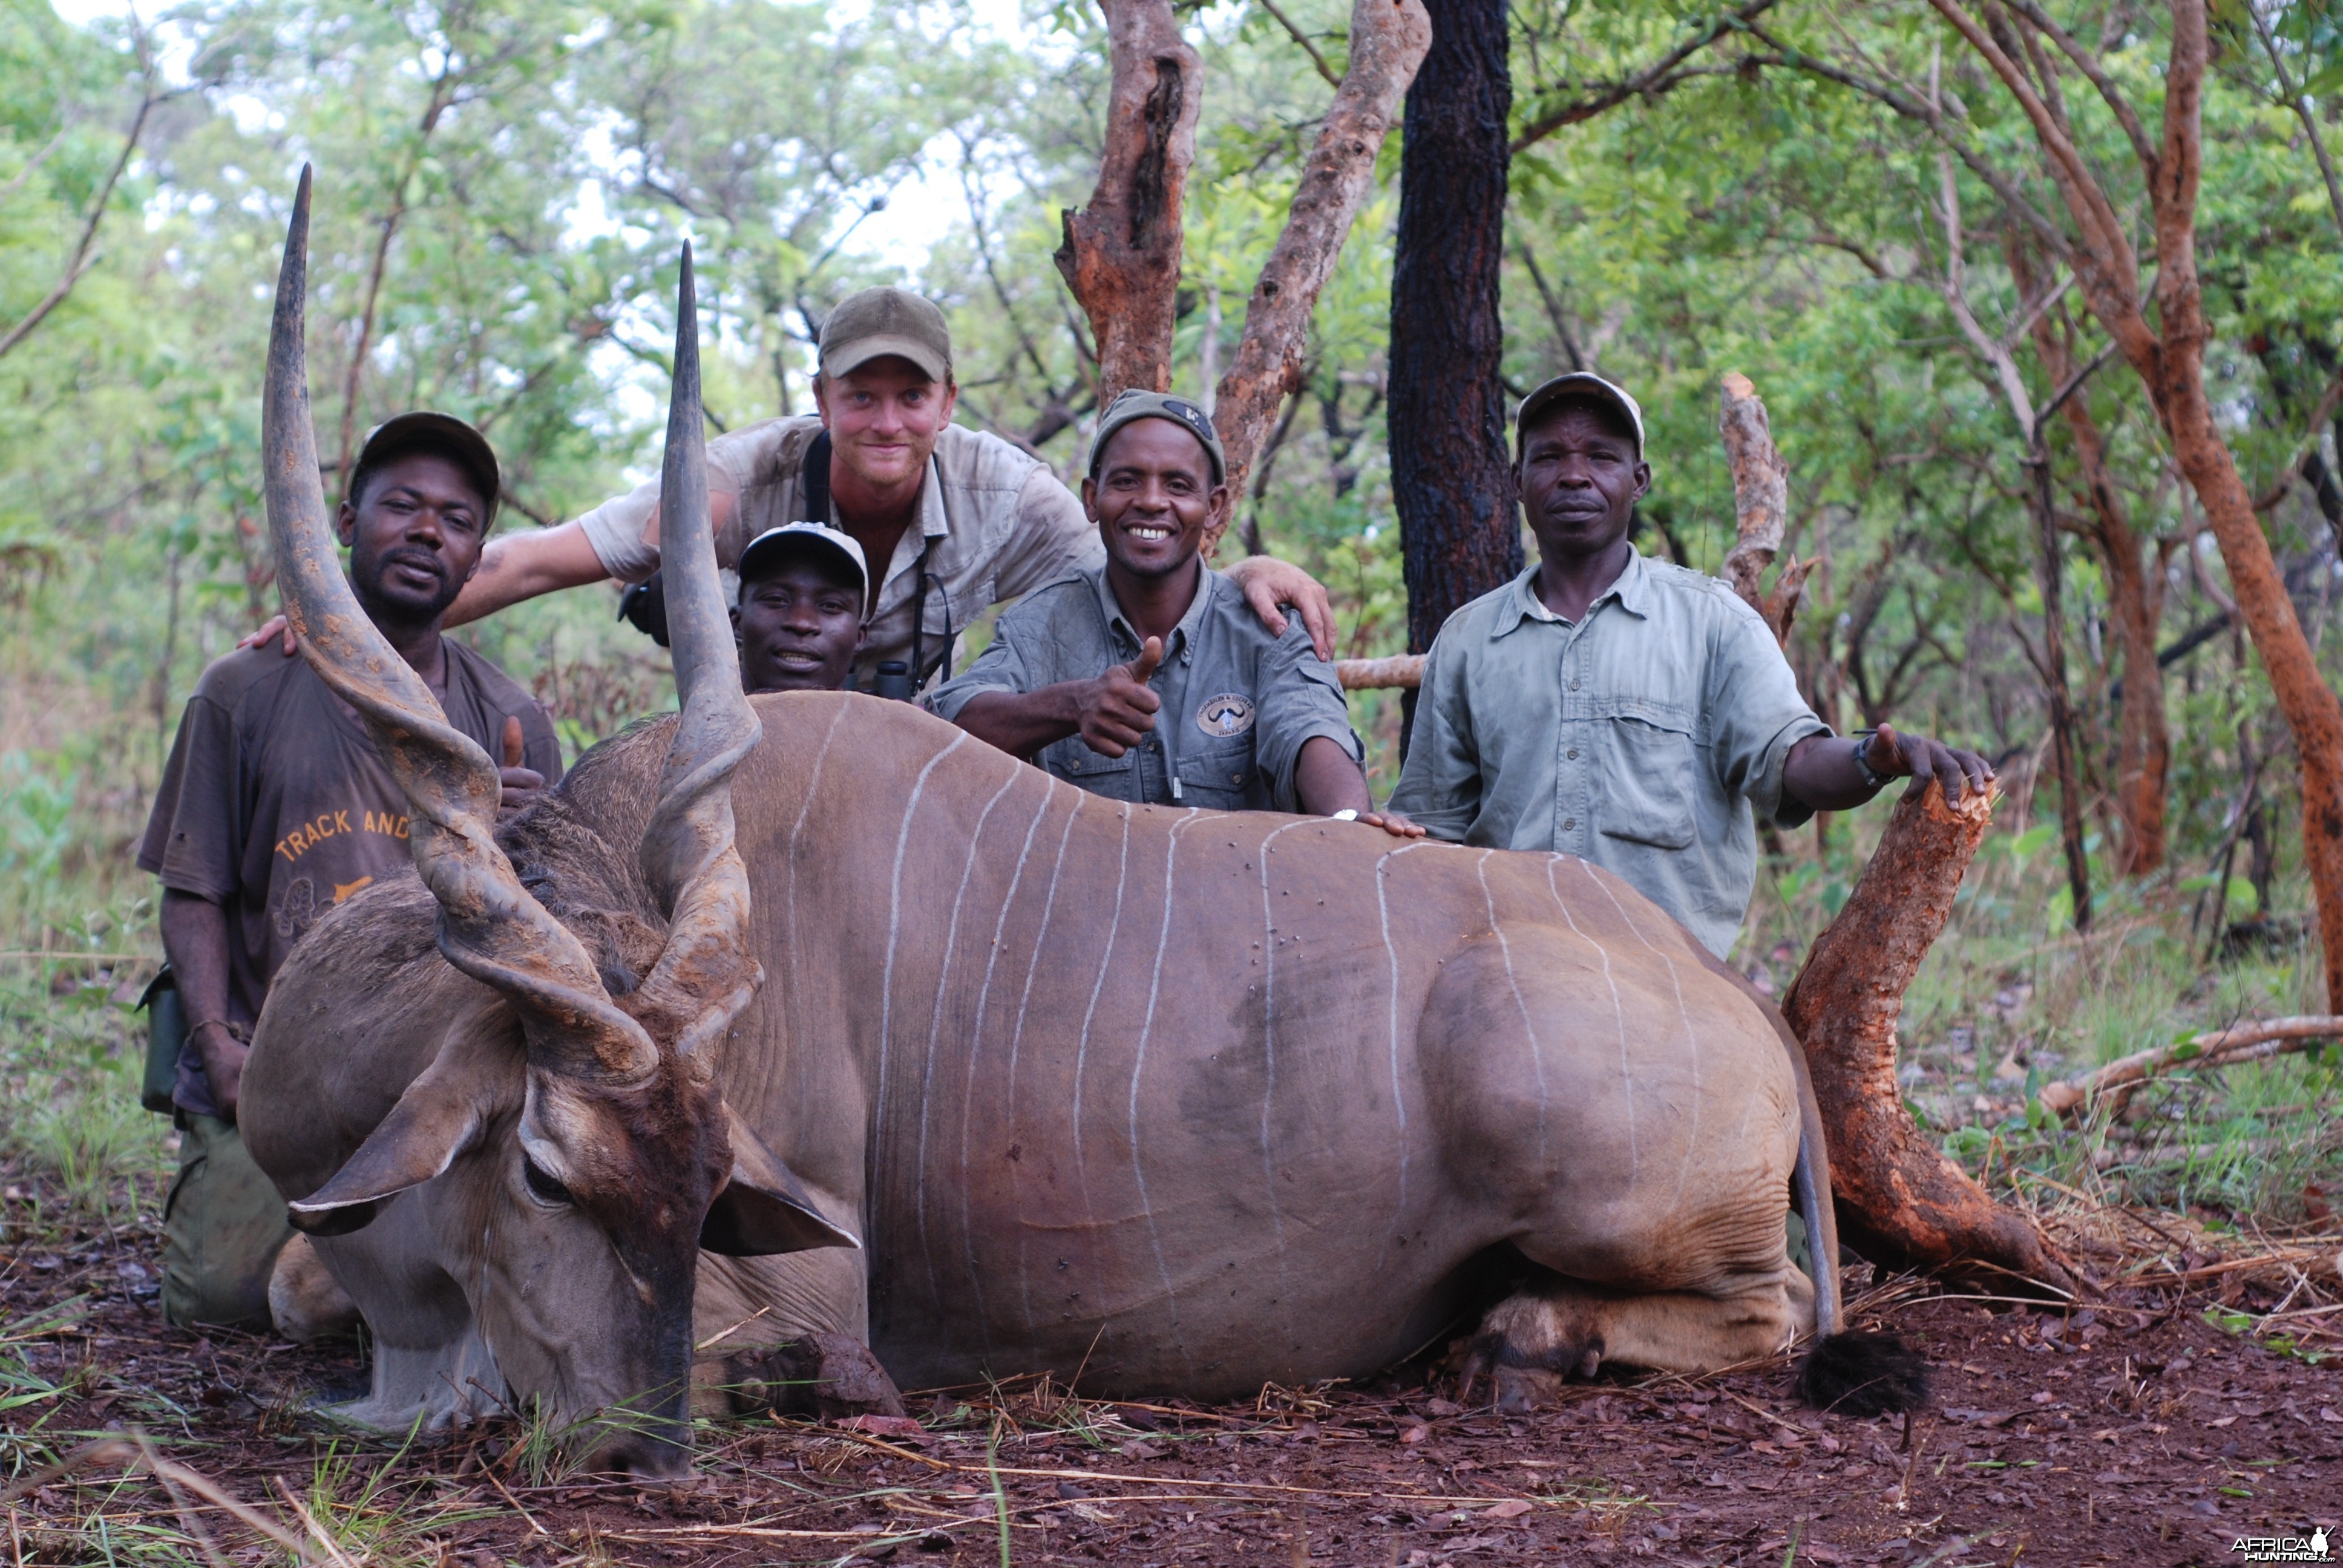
1452	479
1121	252
2169	361
2143	742
1900	1202
2054	680
1761	509
1388	40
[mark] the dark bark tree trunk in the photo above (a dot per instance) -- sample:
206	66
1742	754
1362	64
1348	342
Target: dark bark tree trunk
1452	474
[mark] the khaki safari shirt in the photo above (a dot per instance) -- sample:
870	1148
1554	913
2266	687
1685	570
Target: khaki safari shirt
1644	737
1238	703
277	807
993	522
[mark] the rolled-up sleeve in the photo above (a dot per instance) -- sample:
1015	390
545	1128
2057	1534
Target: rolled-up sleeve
623	529
1755	715
1001	667
1440	784
1051	538
192	841
1300	698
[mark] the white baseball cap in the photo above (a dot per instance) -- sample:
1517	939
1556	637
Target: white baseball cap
1580	385
765	551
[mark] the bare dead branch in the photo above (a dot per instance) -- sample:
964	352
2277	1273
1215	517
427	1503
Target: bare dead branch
1656	77
78	265
1299	36
1389	39
2115	1084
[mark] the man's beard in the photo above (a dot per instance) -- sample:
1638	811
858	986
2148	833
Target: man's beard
400	608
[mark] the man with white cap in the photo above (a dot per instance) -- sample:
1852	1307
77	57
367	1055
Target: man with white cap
800	615
1632	713
951	520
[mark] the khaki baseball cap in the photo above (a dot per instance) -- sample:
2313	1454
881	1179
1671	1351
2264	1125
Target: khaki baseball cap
1132	404
1580	387
769	549
879	322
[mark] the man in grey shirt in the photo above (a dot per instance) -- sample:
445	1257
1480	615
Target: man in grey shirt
1630	712
1077	673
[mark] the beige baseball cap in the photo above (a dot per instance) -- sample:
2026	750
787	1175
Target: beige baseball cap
879	322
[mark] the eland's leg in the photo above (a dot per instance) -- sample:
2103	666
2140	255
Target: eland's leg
1631	1122
1534	1341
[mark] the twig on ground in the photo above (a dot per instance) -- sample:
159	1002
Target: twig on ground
2117	1082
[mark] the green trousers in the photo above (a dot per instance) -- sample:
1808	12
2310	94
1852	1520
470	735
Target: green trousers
223	1226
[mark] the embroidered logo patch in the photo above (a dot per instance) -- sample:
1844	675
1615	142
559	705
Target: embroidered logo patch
1225	715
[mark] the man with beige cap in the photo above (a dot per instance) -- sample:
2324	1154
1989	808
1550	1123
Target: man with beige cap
951	520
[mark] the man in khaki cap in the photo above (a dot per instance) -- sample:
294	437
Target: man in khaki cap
951	520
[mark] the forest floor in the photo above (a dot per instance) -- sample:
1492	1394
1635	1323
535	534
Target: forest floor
2157	1423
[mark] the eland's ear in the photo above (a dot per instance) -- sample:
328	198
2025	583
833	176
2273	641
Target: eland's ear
436	1120
764	1208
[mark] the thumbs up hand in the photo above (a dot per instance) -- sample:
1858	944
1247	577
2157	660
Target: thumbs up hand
522	786
1118	710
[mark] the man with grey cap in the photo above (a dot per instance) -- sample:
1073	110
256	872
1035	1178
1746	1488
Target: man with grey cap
798	619
1078	674
951	521
1632	713
276	807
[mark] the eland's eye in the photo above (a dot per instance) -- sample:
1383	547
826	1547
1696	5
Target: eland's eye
541	1182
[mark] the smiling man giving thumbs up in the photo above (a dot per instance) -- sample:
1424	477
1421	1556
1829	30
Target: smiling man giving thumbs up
1147	679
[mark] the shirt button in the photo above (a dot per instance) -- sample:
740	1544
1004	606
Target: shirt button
1571	754
1573	683
1568	823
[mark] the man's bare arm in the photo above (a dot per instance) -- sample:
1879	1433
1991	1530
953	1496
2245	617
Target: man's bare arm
1325	780
195	938
1821	771
1111	713
1267	582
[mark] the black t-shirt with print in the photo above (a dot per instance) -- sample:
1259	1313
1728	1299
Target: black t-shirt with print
277	807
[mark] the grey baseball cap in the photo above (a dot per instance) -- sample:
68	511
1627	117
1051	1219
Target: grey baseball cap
769	549
879	322
1579	386
1132	404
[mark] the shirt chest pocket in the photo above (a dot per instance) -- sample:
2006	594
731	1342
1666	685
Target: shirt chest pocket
1071	759
1217	773
1649	786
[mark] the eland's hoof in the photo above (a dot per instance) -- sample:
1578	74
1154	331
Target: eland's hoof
823	1375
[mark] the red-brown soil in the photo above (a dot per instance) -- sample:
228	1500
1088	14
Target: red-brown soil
2135	1433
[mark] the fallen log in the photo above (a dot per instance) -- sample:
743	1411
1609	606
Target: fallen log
2115	1084
1901	1202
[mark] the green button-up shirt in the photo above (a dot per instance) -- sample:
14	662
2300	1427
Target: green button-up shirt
1239	704
1644	736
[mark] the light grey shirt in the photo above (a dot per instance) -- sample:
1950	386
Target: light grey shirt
1644	736
1239	704
994	523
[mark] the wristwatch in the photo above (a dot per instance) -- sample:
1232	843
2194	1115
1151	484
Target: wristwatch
1873	779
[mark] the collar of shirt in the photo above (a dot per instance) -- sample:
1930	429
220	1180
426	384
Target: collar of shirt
1631	589
1181	645
902	571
